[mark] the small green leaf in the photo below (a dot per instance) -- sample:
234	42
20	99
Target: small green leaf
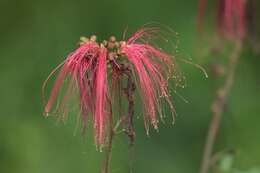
225	164
252	170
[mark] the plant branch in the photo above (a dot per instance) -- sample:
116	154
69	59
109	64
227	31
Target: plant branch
218	107
129	91
109	150
130	129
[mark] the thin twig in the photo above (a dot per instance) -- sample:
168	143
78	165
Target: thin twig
110	142
218	108
129	91
109	151
130	129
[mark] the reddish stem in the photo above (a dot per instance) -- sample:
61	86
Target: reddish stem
129	91
218	108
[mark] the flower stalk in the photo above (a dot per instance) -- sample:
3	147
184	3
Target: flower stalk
218	107
232	24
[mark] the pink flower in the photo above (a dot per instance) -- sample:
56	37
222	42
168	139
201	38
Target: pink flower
86	70
231	17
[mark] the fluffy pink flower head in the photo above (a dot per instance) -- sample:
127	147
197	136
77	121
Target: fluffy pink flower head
231	17
87	71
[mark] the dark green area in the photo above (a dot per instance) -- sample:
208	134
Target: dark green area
36	35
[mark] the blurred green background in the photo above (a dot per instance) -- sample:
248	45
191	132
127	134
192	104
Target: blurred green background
36	35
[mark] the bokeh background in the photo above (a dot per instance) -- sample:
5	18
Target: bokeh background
35	35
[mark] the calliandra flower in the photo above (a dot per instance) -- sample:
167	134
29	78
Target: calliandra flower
88	71
231	17
153	68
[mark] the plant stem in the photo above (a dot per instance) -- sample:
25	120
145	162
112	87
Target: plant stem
218	108
109	151
129	91
130	97
110	143
130	131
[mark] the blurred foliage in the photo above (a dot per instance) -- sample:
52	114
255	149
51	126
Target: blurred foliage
35	35
225	164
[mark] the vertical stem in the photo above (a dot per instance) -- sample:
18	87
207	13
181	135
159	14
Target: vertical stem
110	143
129	91
108	152
130	97
130	131
218	108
